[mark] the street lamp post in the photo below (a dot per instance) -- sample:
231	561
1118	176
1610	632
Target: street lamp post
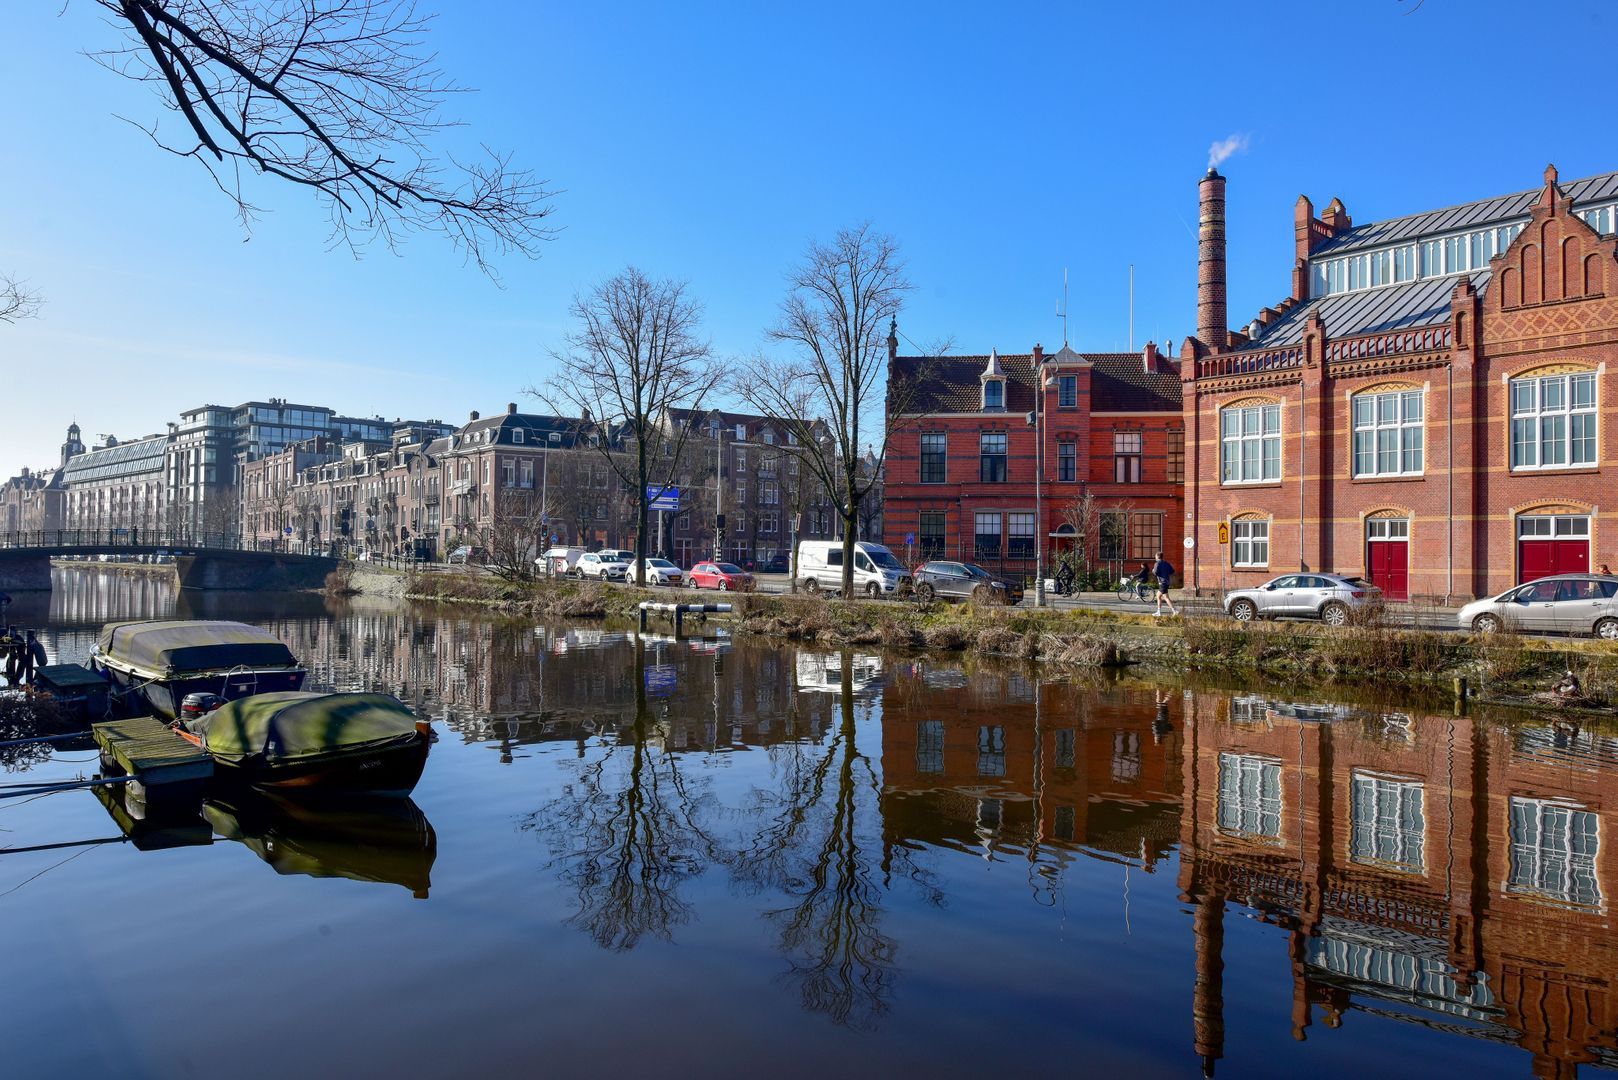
1040	531
551	440
718	431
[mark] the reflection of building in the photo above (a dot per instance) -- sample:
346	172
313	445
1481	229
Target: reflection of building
1428	869
1067	765
823	672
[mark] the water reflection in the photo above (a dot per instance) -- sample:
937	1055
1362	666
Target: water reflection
1174	876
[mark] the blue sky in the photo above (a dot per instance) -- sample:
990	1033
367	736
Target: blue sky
710	142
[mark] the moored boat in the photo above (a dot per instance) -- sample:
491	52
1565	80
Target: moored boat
331	742
157	663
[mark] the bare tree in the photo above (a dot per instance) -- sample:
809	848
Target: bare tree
635	365
513	536
828	394
16	301
338	96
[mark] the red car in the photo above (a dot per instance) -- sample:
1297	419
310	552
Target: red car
724	576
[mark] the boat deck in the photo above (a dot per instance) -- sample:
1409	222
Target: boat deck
149	750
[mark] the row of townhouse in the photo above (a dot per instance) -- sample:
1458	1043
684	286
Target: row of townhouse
1426	408
427	492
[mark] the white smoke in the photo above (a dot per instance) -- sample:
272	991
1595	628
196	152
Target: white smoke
1222	150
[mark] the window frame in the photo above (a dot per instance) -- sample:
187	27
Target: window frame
987	459
1370	423
1568	413
1067	391
1233	445
1128	456
1245	533
925	536
939	455
1067	461
979	551
999	387
1020	535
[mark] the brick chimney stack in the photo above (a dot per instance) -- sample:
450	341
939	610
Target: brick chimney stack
1211	324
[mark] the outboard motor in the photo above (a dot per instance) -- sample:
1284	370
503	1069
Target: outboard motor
197	705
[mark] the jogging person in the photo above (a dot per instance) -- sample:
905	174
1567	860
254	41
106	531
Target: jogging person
1164	572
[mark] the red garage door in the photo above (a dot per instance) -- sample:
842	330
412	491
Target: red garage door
1387	556
1552	544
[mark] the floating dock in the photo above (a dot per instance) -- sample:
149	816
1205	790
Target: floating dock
149	751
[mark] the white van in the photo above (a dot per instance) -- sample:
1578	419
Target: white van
560	561
876	571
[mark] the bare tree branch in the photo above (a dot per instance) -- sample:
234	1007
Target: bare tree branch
338	96
16	301
635	363
832	392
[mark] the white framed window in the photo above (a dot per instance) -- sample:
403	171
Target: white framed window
1250	542
1250	444
1553	526
516	435
1553	421
1388	433
1249	795
1389	823
994	394
1553	852
1387	529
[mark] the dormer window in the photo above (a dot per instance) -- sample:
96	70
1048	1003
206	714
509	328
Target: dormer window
516	435
994	384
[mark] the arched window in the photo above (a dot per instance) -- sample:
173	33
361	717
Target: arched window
1388	432
1553	420
1250	443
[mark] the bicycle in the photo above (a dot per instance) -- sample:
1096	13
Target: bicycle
1132	588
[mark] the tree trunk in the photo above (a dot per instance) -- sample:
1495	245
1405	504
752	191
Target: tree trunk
848	515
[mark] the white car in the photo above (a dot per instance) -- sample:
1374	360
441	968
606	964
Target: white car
658	572
600	564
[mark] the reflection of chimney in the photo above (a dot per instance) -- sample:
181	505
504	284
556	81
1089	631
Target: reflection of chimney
1211	326
1208	995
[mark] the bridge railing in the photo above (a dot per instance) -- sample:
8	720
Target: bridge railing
152	542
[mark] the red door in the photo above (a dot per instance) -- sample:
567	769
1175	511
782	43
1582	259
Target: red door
1390	567
1548	544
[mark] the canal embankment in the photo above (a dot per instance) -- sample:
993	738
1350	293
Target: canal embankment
1504	667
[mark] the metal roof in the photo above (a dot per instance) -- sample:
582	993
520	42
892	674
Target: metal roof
1372	311
1498	210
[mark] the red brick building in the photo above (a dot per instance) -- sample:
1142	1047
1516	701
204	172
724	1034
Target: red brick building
963	458
1425	408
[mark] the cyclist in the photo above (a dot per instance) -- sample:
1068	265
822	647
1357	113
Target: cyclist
1140	582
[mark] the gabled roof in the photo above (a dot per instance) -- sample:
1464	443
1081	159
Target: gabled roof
1119	382
1499	210
1371	311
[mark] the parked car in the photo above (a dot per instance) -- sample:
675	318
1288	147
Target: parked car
1331	598
560	560
779	563
468	555
600	564
724	576
1565	603
618	553
658	572
876	571
964	581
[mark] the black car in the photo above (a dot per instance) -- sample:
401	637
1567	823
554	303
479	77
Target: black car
964	581
776	564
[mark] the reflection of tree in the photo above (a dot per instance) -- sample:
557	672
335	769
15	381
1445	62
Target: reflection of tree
627	834
815	846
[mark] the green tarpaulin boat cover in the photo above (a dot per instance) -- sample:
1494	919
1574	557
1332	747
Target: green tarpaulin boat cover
174	646
289	726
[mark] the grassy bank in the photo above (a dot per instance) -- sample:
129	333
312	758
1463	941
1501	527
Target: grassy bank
1501	667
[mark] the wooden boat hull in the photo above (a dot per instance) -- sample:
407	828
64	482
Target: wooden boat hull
392	770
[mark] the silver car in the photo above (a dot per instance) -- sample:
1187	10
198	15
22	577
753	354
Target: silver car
1331	598
1566	603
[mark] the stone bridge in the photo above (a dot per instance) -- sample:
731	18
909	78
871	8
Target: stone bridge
200	561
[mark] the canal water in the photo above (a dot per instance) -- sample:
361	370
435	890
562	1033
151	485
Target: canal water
636	855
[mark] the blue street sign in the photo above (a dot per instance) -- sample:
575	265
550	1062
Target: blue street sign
288	530
910	538
663	498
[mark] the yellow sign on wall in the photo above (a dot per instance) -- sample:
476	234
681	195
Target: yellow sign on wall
1224	532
